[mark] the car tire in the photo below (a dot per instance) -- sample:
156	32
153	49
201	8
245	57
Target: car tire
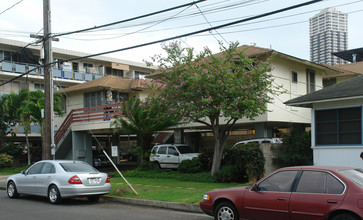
226	210
54	196
94	198
157	165
344	216
11	190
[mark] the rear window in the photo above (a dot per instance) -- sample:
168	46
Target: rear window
355	175
77	167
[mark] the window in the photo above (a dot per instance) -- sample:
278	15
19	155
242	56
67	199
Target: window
47	168
162	150
172	151
92	99
310	79
75	67
338	126
294	76
319	182
36	168
279	182
77	167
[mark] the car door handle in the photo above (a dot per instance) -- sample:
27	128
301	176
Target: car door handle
167	156
281	199
49	177
330	201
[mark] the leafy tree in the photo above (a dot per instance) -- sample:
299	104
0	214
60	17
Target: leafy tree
7	121
26	107
143	118
214	90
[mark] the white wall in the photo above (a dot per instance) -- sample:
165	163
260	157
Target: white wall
336	155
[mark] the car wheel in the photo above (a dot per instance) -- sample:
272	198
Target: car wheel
11	190
226	211
54	196
344	216
93	198
157	165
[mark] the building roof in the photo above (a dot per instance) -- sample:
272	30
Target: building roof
108	82
254	51
349	54
349	89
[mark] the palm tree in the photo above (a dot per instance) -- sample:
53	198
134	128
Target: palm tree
27	107
143	118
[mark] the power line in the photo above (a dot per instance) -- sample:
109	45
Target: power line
10	7
181	36
127	20
201	31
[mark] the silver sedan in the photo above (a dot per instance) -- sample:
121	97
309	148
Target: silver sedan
57	179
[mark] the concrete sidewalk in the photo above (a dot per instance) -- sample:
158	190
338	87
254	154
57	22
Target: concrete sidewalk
141	202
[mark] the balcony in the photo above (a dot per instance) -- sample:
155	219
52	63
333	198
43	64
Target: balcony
57	73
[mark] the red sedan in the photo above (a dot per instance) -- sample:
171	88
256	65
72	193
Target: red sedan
292	193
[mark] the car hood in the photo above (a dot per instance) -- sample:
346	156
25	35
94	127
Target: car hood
190	155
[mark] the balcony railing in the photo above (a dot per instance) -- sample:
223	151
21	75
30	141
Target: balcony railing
96	113
57	73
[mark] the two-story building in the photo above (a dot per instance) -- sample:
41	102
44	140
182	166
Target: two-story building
16	60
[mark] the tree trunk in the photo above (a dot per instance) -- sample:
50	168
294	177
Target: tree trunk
217	156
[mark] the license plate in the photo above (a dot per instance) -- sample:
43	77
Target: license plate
94	180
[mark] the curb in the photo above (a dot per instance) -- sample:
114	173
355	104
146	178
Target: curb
157	204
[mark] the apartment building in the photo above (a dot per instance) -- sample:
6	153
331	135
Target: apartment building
328	34
16	60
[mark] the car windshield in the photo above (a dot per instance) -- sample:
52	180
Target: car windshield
184	149
77	167
355	175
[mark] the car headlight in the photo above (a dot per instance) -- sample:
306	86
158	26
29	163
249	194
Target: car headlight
206	197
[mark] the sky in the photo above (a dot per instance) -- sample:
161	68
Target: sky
286	32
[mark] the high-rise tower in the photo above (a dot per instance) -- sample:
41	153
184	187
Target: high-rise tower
328	34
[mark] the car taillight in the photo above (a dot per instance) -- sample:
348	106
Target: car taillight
108	179
75	180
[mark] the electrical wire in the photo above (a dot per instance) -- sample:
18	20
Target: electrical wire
10	7
127	20
183	35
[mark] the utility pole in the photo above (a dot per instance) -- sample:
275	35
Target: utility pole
48	128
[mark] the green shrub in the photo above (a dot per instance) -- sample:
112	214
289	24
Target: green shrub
295	149
206	158
147	166
190	166
6	161
227	174
243	163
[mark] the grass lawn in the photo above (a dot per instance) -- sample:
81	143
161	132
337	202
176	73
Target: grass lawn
158	185
167	190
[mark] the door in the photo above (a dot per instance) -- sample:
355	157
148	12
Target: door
317	194
161	156
172	157
44	178
271	200
27	183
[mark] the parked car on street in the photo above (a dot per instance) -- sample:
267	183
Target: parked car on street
58	179
171	155
294	193
261	141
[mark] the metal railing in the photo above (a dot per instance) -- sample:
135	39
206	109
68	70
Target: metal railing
104	113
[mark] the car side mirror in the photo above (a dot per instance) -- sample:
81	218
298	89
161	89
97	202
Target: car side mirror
23	172
255	188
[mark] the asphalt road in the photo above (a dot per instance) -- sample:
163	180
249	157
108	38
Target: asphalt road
31	207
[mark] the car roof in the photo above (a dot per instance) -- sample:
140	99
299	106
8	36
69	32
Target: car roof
61	161
327	168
